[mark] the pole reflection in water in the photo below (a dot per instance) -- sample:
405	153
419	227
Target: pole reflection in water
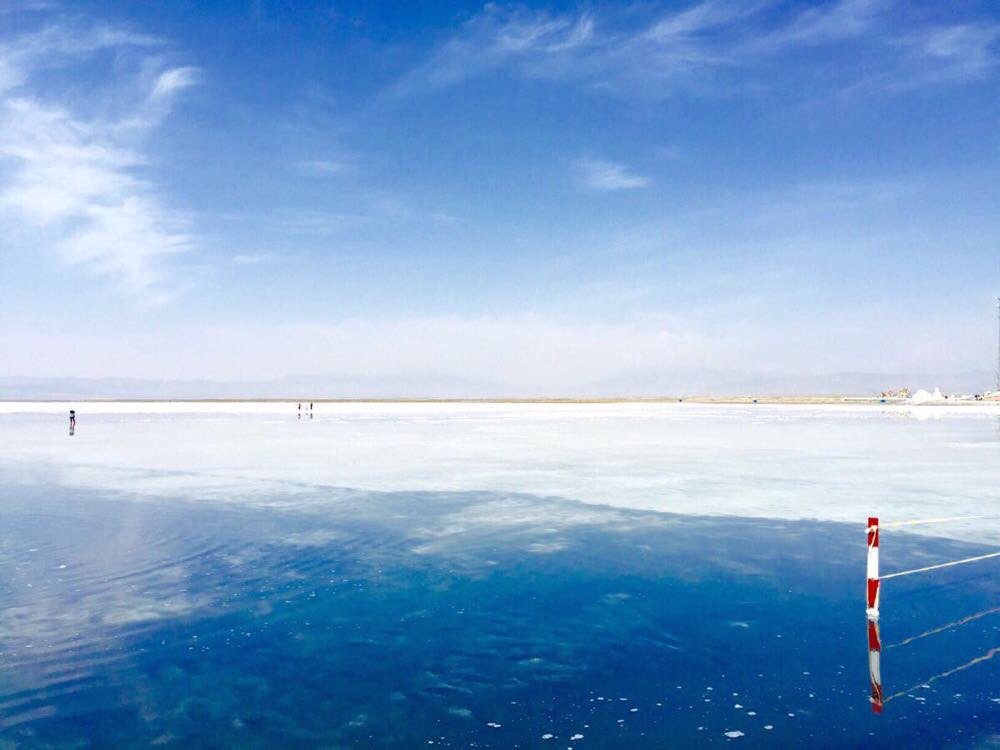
878	700
874	667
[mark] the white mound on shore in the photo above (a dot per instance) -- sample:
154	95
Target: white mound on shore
925	397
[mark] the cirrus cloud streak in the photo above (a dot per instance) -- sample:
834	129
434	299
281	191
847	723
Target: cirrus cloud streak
72	176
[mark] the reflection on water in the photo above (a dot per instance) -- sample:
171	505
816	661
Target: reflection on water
358	619
875	665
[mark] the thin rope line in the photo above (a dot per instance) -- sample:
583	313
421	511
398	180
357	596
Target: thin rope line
985	657
941	629
940	565
895	524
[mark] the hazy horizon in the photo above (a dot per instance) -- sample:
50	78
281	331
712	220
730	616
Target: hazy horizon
429	385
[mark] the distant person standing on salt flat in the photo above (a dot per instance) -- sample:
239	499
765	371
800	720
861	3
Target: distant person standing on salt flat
72	421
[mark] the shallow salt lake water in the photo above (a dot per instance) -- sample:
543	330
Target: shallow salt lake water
492	576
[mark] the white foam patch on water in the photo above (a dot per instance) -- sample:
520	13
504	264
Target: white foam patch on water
734	734
840	462
547	548
317	538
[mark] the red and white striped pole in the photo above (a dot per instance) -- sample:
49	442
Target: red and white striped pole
874	641
873	592
874	668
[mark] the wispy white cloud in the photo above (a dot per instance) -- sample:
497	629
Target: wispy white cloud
23	6
500	37
321	223
172	81
598	174
58	45
932	56
253	259
73	182
699	47
324	167
443	217
948	53
821	24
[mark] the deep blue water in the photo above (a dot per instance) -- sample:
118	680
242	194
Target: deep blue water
358	619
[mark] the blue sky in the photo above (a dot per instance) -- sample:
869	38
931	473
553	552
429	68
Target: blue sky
527	197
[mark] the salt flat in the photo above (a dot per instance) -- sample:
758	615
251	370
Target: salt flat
825	462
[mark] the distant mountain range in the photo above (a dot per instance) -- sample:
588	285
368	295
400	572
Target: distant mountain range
842	383
430	385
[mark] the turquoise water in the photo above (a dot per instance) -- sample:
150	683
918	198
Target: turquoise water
469	619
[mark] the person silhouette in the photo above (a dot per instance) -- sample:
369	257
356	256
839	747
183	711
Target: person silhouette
72	421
